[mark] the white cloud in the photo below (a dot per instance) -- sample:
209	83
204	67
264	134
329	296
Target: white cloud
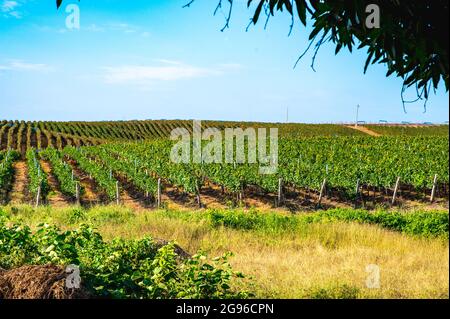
123	27
166	61
95	28
19	65
172	71
118	27
231	66
9	5
9	9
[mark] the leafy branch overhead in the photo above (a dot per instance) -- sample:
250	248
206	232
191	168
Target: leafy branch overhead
412	40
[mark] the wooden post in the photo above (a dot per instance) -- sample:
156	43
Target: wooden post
322	190
395	190
433	190
38	196
117	193
77	193
158	197
280	191
72	176
357	192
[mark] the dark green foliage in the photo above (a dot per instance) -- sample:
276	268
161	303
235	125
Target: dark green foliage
412	40
119	269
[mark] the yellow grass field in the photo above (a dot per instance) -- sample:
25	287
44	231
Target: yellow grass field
323	260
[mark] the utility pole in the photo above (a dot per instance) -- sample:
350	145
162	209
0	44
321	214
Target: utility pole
357	115
287	115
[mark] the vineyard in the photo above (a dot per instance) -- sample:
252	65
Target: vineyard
405	130
312	172
22	136
108	191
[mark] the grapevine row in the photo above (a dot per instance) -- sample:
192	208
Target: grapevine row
6	172
63	173
144	182
38	182
99	172
305	163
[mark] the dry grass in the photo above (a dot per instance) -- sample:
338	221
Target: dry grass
322	260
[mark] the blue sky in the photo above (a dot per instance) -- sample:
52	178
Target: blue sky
153	59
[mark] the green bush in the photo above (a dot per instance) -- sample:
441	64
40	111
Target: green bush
121	268
426	224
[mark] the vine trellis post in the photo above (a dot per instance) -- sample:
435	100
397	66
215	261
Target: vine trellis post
280	191
158	195
394	196
38	196
117	193
322	191
433	190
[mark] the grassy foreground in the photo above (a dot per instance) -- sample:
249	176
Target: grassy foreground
318	255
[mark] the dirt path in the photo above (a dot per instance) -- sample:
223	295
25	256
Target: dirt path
55	197
172	198
364	130
131	197
18	193
90	195
211	197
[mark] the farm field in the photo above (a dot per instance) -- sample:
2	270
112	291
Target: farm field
21	135
311	173
410	130
340	200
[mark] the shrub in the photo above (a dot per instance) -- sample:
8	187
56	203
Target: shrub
426	224
121	268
